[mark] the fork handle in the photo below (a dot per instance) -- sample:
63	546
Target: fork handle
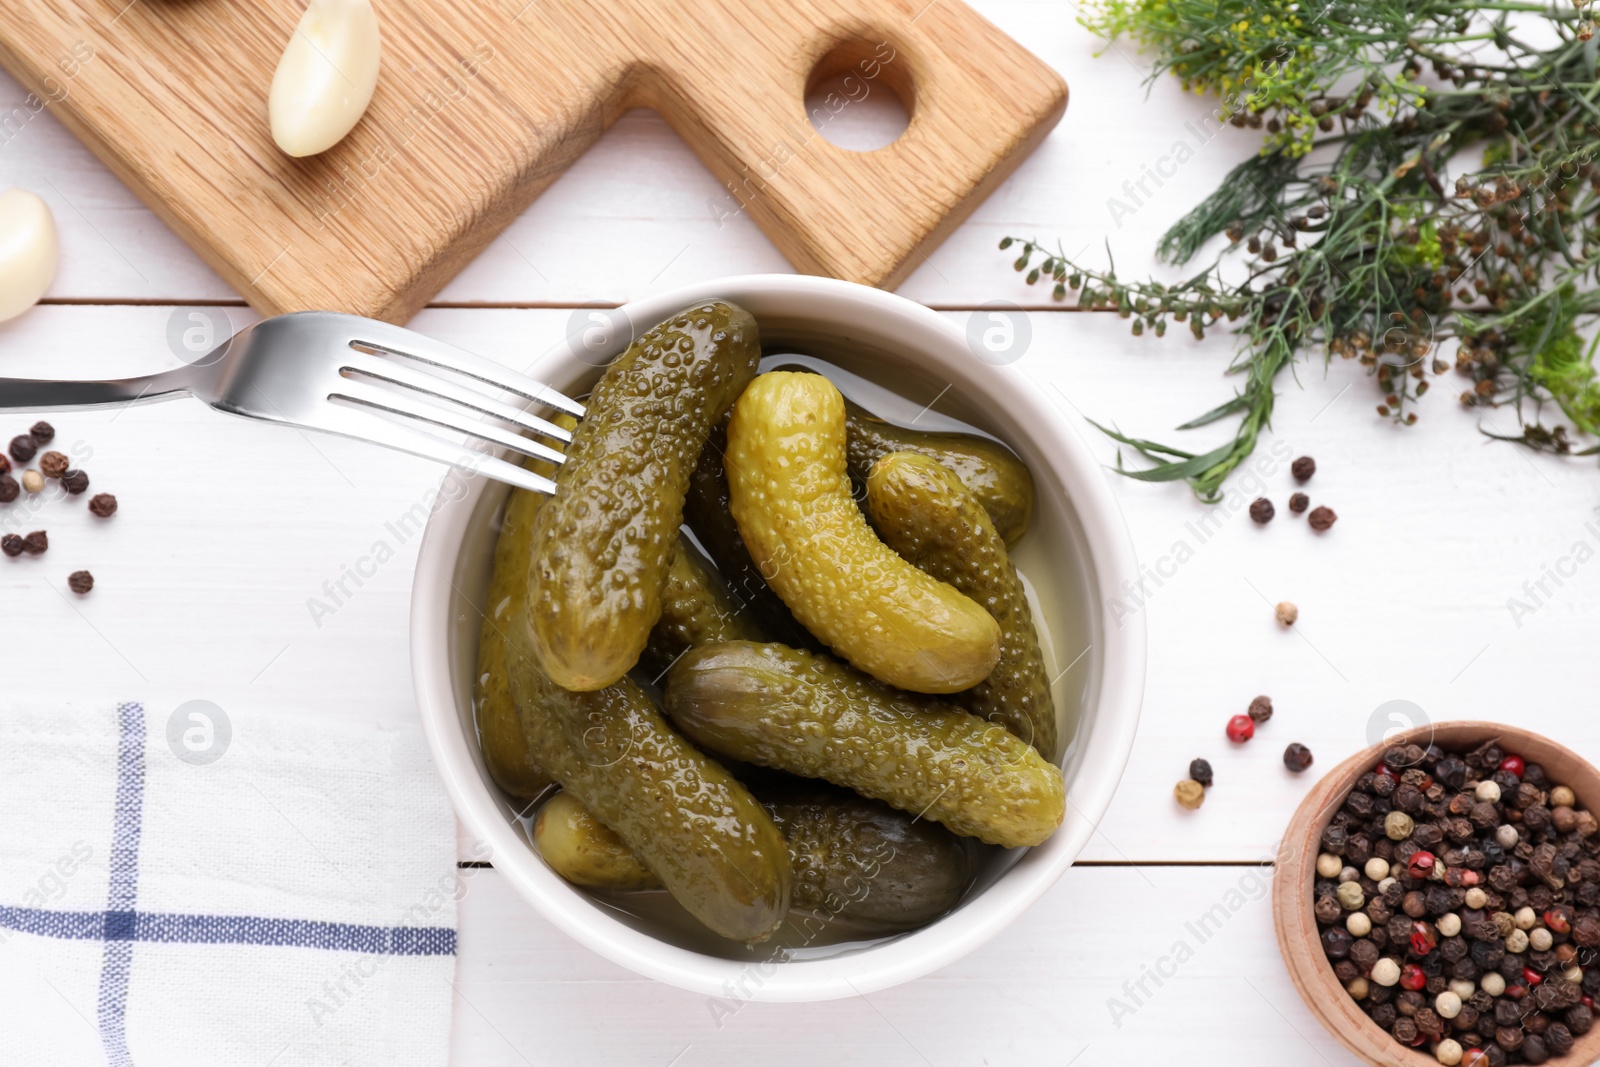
31	394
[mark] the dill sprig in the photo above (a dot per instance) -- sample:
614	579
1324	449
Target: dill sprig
1355	241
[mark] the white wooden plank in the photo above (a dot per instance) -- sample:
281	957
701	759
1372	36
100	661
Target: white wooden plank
639	212
1041	992
228	529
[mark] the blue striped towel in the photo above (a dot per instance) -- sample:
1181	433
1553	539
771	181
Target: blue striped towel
185	887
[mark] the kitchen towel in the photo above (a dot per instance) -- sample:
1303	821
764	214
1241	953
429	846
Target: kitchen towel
193	888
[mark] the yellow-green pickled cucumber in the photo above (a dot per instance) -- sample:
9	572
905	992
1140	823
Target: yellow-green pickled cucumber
702	833
705	510
790	494
505	749
853	858
583	851
999	480
813	716
603	543
695	610
922	511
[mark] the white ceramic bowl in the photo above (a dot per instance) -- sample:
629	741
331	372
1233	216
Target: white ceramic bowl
1075	554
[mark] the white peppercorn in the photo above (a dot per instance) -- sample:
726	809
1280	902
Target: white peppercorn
1526	919
1329	865
1539	939
1359	924
1386	972
1447	1004
1397	825
1493	983
1506	837
1476	898
1517	942
1449	924
1448	1052
1562	797
32	481
1350	895
1377	869
1487	790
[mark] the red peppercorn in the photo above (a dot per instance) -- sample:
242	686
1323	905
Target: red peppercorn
1241	728
1559	920
1421	864
1460	877
1516	992
1386	771
1531	976
1514	764
1423	939
1411	977
1588	1001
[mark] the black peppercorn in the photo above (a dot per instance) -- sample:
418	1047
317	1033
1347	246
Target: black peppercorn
1321	518
103	505
74	482
9	489
1261	510
1297	757
80	582
1558	1039
23	448
1334	839
11	545
1533	1049
36	542
42	433
1199	770
1260	709
1336	941
1303	468
53	464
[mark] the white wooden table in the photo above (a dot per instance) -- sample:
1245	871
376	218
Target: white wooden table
227	529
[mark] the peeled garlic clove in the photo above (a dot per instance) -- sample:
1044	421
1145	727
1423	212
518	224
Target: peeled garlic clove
326	76
29	251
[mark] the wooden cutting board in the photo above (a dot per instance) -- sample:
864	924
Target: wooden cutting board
482	103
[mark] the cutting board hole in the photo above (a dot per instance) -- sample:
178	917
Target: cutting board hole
860	94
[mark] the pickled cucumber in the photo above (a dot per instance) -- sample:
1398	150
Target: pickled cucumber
790	494
505	749
695	610
861	860
583	851
992	472
705	510
712	845
853	858
813	716
922	511
603	542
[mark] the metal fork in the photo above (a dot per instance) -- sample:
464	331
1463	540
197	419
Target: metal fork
322	371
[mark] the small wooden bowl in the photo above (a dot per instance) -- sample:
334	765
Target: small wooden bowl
1298	938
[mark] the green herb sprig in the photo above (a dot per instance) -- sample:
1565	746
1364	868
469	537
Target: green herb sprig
1356	243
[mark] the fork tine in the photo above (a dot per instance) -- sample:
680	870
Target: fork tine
435	387
403	342
403	404
366	425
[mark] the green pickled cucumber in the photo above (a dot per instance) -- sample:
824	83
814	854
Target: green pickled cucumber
705	510
581	849
710	842
790	494
924	512
813	716
695	610
853	858
862	860
603	543
505	749
993	472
